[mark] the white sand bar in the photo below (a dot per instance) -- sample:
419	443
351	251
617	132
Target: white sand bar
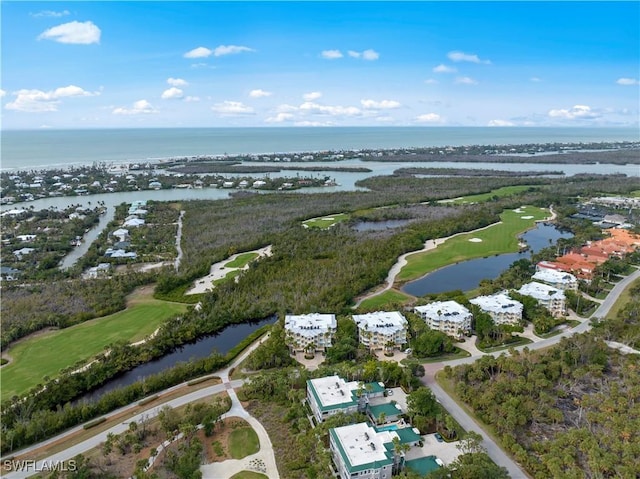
219	271
475	240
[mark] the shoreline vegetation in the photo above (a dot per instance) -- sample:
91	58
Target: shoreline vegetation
19	185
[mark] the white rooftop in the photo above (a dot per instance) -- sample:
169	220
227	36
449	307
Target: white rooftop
333	390
498	303
310	324
362	444
541	291
445	310
554	276
385	322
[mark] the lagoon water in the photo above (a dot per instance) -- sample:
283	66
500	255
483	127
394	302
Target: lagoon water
221	343
468	274
39	149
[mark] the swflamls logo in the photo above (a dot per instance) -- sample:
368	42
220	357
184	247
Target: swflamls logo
39	466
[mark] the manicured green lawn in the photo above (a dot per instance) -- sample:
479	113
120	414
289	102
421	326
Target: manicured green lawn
243	442
242	260
249	475
390	296
496	239
47	354
326	221
500	193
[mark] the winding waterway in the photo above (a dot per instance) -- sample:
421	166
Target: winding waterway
221	343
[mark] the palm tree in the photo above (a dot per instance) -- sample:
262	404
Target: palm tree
399	451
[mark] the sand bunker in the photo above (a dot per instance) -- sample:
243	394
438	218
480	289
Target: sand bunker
526	217
475	240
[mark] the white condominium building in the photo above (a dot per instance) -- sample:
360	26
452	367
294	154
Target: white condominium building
310	330
381	329
555	278
359	451
547	296
501	308
332	395
447	316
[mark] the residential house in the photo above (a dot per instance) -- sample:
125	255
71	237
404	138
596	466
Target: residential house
501	308
382	329
551	298
448	317
23	252
122	234
134	222
310	331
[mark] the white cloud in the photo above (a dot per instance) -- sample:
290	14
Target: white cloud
331	54
192	99
140	107
2	93
500	123
312	95
465	81
365	55
172	93
230	50
176	82
577	112
285	108
259	93
431	81
83	33
200	52
41	101
627	81
50	13
457	56
280	117
232	108
535	79
429	118
442	68
336	110
380	105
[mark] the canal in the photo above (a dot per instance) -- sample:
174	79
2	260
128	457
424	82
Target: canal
221	343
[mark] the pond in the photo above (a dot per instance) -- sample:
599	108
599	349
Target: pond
222	342
379	225
467	275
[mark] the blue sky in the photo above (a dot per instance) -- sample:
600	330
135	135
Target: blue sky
181	64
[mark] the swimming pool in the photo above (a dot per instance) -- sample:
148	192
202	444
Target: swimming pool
390	427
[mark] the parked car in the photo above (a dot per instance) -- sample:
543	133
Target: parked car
438	437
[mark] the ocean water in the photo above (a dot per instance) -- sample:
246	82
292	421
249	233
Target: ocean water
41	149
